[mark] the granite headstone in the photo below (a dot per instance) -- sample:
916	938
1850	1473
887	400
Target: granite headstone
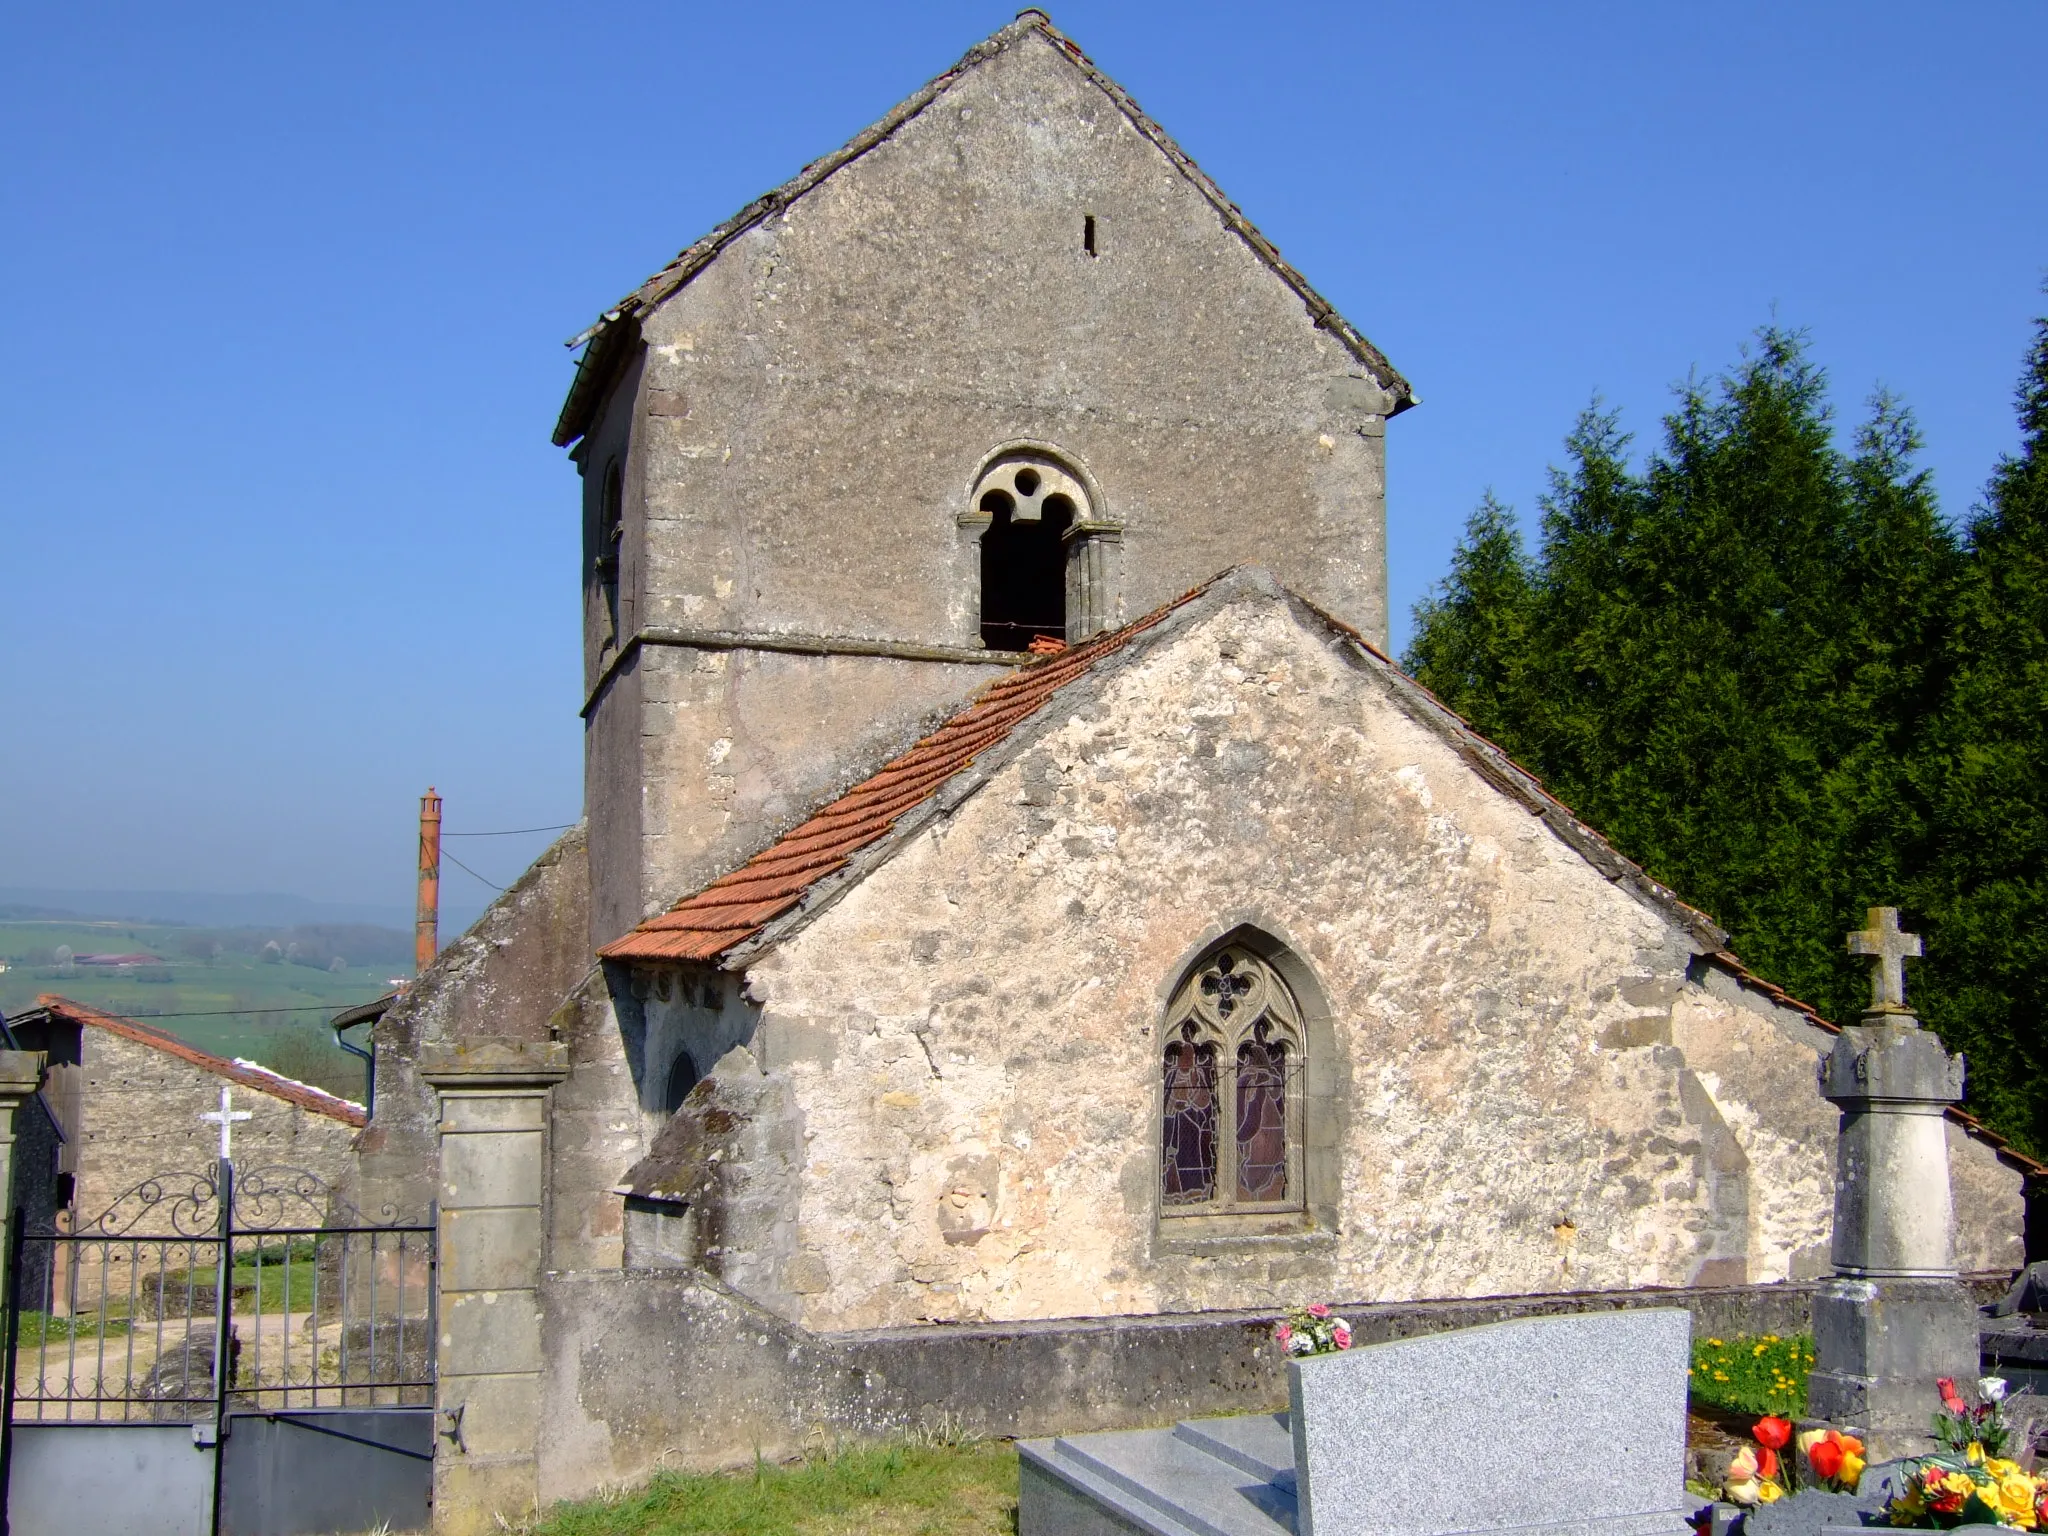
1555	1426
1574	1423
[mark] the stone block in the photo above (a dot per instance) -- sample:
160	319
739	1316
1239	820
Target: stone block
498	1412
493	1249
1556	1456
474	1496
1882	1345
1893	1062
493	1112
490	1333
491	1170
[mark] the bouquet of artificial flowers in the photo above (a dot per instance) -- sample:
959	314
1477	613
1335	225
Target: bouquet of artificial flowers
1311	1331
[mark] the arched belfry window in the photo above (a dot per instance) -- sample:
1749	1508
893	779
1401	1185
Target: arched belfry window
611	532
1046	562
1232	1104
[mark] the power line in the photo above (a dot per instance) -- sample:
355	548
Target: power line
512	832
470	872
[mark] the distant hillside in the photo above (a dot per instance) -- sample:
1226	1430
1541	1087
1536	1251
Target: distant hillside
210	909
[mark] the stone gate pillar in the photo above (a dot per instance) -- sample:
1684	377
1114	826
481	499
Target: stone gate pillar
1893	1320
21	1073
493	1161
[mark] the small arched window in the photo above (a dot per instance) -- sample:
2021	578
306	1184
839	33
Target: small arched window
1030	503
1232	1104
682	1077
611	530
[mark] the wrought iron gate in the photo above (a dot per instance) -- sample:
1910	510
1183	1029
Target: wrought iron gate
219	1352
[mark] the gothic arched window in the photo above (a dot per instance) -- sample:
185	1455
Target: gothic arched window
1232	1103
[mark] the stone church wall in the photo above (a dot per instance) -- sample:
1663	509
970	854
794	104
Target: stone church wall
1534	1087
800	440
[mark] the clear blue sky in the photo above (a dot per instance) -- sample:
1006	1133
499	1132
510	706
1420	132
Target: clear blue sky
285	287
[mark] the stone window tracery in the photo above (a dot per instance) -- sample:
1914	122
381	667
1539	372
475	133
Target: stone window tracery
1048	562
1231	1110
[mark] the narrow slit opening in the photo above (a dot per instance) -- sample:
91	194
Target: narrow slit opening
1088	233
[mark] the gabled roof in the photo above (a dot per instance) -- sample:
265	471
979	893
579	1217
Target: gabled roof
247	1074
793	870
607	343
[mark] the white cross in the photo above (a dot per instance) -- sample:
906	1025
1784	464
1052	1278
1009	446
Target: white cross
225	1117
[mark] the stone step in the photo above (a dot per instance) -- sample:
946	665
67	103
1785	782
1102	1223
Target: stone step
1157	1483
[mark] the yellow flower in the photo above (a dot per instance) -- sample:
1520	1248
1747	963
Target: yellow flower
1714	1343
1852	1470
1769	1493
2016	1498
1975	1454
1758	1350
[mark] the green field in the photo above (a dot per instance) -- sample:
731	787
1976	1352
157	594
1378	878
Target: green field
263	994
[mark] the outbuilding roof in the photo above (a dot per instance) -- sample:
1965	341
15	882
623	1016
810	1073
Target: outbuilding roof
247	1074
607	343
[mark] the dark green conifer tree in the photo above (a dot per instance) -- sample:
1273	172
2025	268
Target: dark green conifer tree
1471	632
1725	654
1984	770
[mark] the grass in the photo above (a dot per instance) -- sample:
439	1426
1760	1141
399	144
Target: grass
1752	1374
895	1490
39	1328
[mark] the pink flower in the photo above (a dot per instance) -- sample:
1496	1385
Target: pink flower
1318	1310
1342	1334
1282	1332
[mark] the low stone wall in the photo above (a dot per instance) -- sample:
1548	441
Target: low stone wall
666	1368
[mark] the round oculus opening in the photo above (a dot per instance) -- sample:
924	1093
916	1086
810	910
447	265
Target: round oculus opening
1027	481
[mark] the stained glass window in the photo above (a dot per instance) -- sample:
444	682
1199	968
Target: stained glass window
1230	1135
1189	1165
1261	1121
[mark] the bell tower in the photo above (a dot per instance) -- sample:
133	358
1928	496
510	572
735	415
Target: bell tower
1004	371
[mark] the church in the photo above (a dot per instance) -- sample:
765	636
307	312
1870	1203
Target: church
1016	884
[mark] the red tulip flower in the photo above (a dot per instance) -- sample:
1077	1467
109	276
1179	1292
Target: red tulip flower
1950	1398
1826	1458
1773	1433
1767	1464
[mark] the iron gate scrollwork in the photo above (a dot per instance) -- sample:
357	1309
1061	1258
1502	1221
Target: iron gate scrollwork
199	1297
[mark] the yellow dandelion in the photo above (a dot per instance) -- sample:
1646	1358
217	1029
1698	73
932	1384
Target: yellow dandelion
1714	1343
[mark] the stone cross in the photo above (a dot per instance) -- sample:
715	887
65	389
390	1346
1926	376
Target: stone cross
225	1117
1888	949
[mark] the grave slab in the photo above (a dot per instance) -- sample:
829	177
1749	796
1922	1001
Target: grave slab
1554	1426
